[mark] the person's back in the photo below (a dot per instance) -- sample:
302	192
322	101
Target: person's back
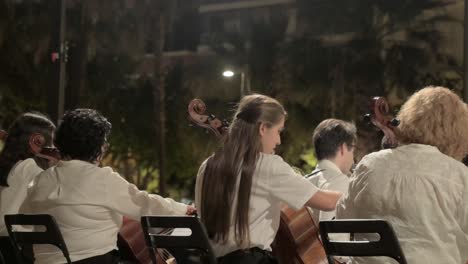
334	142
327	176
19	165
87	201
11	197
421	186
420	191
76	193
240	187
274	182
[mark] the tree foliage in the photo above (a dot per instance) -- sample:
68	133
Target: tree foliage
342	53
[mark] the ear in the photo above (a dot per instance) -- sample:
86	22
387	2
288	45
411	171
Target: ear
262	129
342	149
36	142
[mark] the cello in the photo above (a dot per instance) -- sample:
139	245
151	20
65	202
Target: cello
297	239
132	245
48	153
196	110
131	241
381	119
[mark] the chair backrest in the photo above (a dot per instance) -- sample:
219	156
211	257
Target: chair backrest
22	238
193	247
2	260
387	245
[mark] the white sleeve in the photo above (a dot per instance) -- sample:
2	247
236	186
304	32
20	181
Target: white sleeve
352	203
464	209
32	170
288	186
29	170
126	199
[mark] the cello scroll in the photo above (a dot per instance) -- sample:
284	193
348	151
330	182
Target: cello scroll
381	118
196	111
49	153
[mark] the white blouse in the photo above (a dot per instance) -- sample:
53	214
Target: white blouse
11	198
274	181
422	193
88	203
330	178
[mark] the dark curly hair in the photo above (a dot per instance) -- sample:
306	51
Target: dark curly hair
81	134
17	147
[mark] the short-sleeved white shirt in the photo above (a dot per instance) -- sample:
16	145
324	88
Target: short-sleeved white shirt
88	203
329	178
274	181
11	197
422	193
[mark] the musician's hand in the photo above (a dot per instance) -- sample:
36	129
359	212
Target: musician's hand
191	210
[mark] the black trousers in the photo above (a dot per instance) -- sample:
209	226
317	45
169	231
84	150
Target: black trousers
9	252
248	256
111	257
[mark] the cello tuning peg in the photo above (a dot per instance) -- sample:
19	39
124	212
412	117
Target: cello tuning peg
367	118
395	122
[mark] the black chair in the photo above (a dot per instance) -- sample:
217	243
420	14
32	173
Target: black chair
2	260
190	248
23	240
387	245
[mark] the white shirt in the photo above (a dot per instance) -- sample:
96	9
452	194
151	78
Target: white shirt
88	203
422	193
11	198
274	181
330	178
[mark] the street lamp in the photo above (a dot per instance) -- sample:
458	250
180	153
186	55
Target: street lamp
231	73
228	73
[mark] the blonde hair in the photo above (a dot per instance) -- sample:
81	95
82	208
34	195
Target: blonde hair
438	117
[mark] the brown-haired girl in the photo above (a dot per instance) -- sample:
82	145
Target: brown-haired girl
240	187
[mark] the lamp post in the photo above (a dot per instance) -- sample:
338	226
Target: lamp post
243	80
465	53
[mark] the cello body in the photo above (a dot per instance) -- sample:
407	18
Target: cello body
131	242
297	240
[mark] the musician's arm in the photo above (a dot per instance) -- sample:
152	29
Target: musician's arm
324	200
296	191
128	200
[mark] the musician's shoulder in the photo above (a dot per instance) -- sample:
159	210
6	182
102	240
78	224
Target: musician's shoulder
273	158
28	163
380	156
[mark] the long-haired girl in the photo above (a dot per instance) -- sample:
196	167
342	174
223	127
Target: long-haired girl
240	187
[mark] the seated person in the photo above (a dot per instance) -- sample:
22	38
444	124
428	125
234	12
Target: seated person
420	187
240	188
19	164
334	141
88	201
